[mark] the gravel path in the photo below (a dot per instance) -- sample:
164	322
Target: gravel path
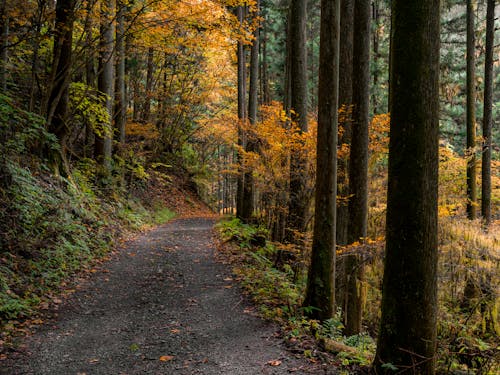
162	306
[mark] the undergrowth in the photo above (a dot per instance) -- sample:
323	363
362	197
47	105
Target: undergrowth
52	227
468	328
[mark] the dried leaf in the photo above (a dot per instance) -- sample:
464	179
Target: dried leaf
166	358
275	362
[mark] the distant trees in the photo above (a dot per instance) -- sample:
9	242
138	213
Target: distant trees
407	336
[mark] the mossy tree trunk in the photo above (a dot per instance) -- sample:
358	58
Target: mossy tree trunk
321	278
407	336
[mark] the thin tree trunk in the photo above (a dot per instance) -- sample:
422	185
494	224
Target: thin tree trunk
321	279
487	115
471	113
358	163
265	92
407	335
4	54
253	103
146	112
120	95
242	112
376	37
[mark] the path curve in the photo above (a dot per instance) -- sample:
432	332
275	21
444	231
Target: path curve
162	306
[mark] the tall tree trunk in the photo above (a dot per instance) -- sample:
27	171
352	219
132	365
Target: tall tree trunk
35	47
253	103
242	111
105	83
471	113
407	335
321	279
358	163
345	103
120	94
376	41
264	77
146	112
487	115
298	205
59	95
4	54
90	74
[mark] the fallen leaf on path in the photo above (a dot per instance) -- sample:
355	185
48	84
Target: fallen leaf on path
228	286
275	362
166	358
228	279
175	331
93	360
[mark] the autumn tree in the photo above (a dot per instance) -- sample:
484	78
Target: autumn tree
358	163
407	335
320	292
487	114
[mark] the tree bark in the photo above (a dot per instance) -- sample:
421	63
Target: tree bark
242	111
321	279
471	113
298	206
62	58
120	94
253	103
358	163
407	336
487	115
146	109
345	103
4	54
105	83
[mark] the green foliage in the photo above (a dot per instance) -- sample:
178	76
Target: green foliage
88	107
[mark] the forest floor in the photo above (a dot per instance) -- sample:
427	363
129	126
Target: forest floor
162	304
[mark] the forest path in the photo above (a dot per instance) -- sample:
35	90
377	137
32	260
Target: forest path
163	305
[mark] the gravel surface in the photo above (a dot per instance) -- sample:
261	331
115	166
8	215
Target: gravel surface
163	305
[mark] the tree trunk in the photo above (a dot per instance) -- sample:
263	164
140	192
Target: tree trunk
120	95
146	111
471	114
253	103
264	78
298	206
242	112
345	102
105	83
407	336
4	54
358	163
376	42
487	115
321	279
62	56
